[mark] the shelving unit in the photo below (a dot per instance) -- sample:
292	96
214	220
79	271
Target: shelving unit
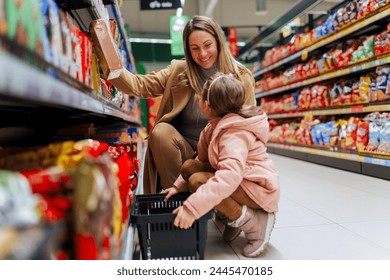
353	162
373	164
23	83
342	33
352	69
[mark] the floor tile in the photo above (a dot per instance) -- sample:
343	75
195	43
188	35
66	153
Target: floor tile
377	232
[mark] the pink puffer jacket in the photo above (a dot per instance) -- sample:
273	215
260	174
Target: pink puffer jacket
237	151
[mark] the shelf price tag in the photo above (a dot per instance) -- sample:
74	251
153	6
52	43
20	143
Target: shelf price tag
357	109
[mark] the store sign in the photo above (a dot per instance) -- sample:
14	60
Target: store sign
177	25
159	4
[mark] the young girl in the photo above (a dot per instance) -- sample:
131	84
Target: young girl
232	172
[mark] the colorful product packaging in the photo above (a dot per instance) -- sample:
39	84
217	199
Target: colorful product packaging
106	50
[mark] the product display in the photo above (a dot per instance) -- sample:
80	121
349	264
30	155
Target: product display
338	83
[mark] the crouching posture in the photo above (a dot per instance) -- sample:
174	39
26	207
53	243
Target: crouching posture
232	172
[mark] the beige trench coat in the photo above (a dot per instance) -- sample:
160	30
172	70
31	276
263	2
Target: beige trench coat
175	98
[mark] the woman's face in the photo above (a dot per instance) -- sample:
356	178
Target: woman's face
203	48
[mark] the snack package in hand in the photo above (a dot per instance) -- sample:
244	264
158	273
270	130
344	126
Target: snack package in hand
106	50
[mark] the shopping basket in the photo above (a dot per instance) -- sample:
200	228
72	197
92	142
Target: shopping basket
158	237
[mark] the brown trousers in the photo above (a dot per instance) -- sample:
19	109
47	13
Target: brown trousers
169	150
196	173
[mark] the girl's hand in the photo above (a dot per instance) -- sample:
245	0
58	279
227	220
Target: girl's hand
170	192
184	219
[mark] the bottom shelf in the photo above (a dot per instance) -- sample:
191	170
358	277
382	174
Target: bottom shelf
353	163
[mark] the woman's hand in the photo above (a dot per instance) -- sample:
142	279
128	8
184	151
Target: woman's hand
184	219
170	192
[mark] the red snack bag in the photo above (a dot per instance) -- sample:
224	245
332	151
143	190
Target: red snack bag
47	180
93	148
351	133
86	247
362	135
54	208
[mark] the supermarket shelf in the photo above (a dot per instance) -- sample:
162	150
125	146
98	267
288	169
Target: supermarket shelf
354	68
90	5
24	82
353	109
370	166
336	36
132	248
349	29
80	4
86	11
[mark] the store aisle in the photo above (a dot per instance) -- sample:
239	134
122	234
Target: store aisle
325	214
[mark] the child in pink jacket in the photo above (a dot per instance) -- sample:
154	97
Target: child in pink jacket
232	172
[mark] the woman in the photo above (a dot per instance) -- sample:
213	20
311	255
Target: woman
179	122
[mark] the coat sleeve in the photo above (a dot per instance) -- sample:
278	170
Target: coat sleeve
231	160
143	86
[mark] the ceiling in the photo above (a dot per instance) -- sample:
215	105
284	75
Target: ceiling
228	13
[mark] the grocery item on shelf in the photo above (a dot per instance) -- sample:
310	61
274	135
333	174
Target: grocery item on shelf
25	24
89	187
107	51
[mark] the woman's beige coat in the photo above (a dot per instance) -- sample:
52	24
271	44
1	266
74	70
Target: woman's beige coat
175	97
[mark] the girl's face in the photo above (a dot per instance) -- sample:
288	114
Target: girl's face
203	48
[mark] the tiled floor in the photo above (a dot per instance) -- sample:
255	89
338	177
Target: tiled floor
325	214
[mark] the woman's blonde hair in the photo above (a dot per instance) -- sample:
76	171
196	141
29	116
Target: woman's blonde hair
225	62
225	94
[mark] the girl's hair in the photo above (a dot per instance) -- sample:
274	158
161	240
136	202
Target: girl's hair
225	62
225	94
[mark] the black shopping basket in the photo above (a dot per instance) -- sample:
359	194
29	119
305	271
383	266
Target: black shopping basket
158	237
